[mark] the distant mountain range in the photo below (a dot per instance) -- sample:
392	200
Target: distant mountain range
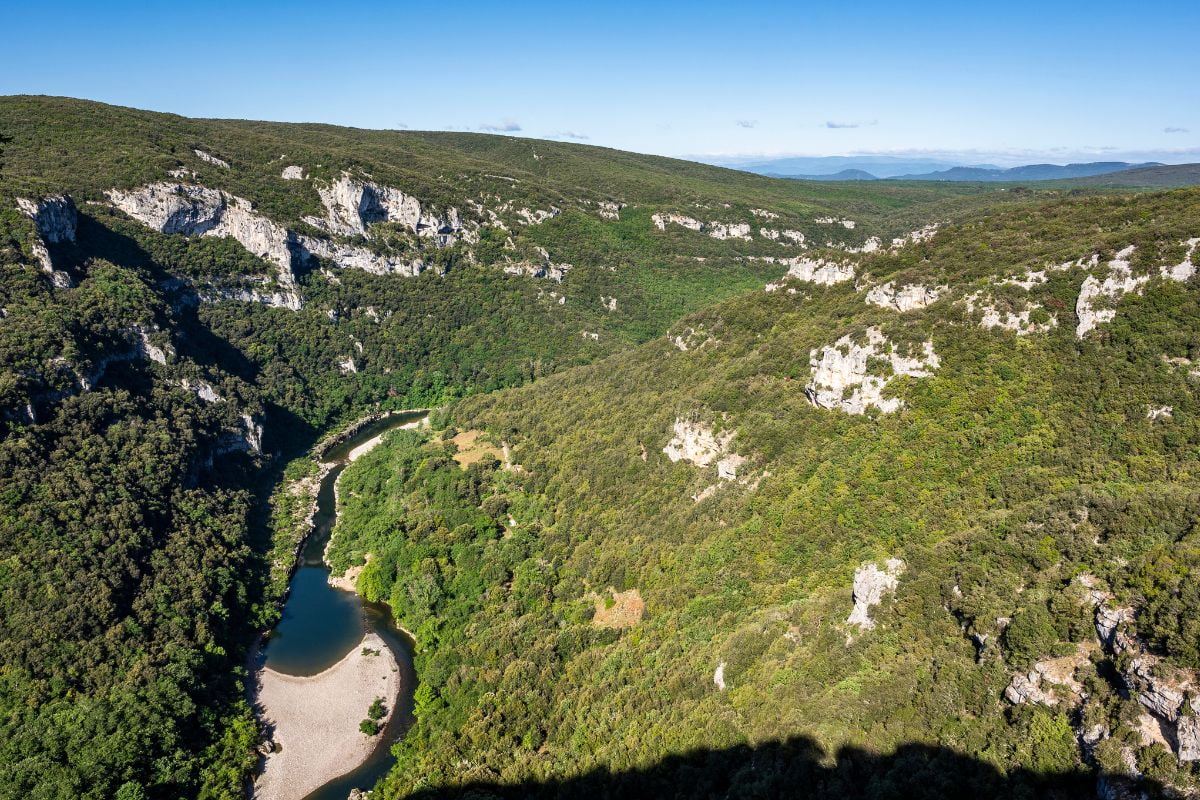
868	168
1029	172
826	167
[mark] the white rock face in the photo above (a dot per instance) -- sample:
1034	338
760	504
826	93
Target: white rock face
1184	270
842	376
727	467
848	224
661	220
352	205
541	267
609	303
293	173
287	301
719	676
537	216
211	159
347	366
56	221
1032	278
1187	736
146	348
1028	689
192	210
904	298
1120	280
696	442
610	210
819	271
721	230
769	233
1161	412
913	237
870	586
762	213
247	439
202	389
55	217
692	339
172	207
1016	321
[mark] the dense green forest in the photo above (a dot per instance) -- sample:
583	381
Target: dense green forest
154	395
1024	470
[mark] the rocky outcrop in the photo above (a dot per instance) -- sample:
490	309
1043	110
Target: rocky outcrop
1019	321
209	158
352	205
818	271
696	442
247	438
762	213
1120	280
1187	735
660	221
913	237
610	210
731	230
1159	412
540	266
719	677
692	338
904	298
717	230
1184	270
848	224
192	210
56	221
1051	680
55	217
293	173
202	390
871	584
846	375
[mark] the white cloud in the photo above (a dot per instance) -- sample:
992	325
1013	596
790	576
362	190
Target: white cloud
507	125
747	123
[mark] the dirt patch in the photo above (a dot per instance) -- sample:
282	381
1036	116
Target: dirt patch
473	449
348	582
618	610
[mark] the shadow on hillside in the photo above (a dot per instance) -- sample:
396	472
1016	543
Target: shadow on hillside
797	768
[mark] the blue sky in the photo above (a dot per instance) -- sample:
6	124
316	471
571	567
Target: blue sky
1000	82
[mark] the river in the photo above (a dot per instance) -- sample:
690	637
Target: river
320	624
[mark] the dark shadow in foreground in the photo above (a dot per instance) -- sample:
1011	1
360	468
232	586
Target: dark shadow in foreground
795	768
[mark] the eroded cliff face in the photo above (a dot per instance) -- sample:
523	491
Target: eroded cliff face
871	585
1019	318
904	298
353	205
56	221
1167	697
850	375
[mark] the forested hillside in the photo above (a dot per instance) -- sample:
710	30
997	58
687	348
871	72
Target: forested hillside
188	305
924	517
974	406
